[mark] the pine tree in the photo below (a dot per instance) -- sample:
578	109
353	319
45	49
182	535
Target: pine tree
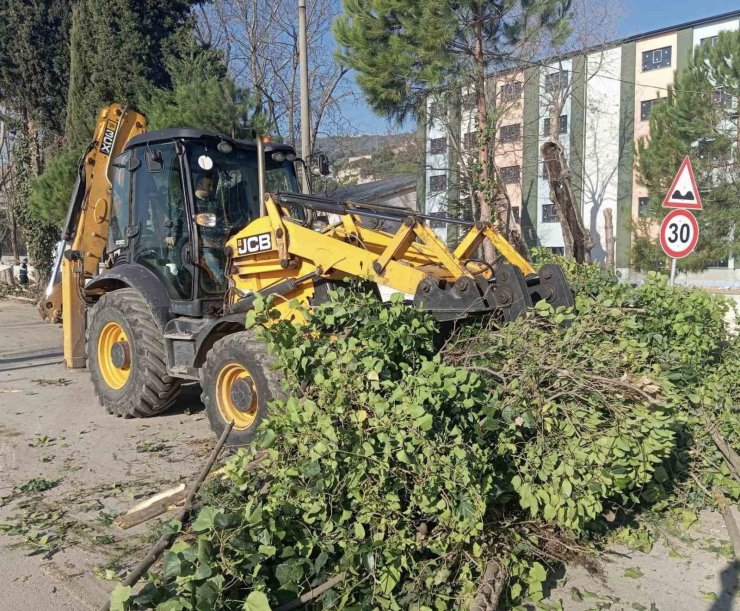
202	94
405	51
117	54
699	117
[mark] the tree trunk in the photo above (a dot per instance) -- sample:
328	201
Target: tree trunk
33	145
609	239
13	235
490	184
484	140
577	240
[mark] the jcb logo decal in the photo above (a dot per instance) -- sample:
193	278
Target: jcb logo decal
254	243
109	135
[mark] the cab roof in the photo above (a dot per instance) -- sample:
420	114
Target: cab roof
189	133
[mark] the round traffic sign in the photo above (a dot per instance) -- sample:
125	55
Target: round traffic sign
679	233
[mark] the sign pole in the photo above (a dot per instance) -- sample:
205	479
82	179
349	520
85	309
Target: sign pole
673	272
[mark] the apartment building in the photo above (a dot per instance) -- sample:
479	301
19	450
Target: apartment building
600	101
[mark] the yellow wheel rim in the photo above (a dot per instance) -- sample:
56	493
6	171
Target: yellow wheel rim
236	396
114	371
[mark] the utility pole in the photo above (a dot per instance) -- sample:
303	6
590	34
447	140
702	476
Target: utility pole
305	107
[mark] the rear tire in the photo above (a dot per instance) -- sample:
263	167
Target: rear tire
238	383
140	386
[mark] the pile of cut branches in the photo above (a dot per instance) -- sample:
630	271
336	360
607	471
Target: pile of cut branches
400	477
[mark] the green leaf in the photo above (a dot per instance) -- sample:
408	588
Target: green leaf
119	596
256	601
205	519
359	531
633	572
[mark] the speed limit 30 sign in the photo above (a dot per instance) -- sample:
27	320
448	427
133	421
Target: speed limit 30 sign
679	233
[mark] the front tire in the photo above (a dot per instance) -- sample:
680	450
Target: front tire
238	383
126	357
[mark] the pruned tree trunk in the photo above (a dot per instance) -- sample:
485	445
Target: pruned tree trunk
577	240
609	239
484	144
490	588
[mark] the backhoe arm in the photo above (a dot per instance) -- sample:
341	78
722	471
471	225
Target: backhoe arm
86	228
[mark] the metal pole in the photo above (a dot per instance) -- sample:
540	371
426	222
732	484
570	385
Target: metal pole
305	104
261	173
673	272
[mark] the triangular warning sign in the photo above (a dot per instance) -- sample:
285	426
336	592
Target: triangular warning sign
683	192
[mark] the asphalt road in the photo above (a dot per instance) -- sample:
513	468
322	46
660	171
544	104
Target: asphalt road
53	432
52	428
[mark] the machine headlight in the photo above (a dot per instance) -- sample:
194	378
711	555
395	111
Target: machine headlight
278	156
205	219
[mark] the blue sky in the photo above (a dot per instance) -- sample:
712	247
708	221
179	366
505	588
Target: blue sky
637	16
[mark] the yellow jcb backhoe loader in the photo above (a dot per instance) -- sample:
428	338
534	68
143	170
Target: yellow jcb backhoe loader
192	226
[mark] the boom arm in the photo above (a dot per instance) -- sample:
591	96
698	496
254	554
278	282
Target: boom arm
86	228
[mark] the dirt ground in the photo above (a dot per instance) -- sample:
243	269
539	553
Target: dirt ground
67	468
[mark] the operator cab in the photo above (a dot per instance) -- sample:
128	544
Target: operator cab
178	195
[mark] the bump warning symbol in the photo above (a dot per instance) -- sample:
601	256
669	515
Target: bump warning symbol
683	192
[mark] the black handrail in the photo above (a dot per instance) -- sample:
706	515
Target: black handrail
390	213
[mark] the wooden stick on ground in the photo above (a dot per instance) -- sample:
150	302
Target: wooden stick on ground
151	508
730	456
166	540
310	595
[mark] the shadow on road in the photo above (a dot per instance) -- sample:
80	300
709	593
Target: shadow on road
729	582
187	403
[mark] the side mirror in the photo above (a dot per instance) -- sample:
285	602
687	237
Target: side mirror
322	162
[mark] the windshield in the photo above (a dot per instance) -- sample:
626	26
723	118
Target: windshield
225	184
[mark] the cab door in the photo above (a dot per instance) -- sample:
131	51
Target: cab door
159	223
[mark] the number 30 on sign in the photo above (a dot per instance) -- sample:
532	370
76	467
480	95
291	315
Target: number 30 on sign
679	234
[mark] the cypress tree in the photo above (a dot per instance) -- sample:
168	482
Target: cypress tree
117	54
699	117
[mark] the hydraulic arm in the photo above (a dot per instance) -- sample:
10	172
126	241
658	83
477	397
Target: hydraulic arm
85	231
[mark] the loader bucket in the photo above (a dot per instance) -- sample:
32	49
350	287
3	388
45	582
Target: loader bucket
508	295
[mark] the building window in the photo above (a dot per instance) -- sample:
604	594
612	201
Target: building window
544	171
437	146
647	106
470	141
643	207
511	133
511	92
437	184
722	99
709	41
562	126
557	81
510	174
516	214
656	59
549	214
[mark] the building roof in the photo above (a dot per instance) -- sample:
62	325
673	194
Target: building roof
569	54
376	189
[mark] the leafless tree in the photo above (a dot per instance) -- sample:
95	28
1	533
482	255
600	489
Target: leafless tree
593	24
259	39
